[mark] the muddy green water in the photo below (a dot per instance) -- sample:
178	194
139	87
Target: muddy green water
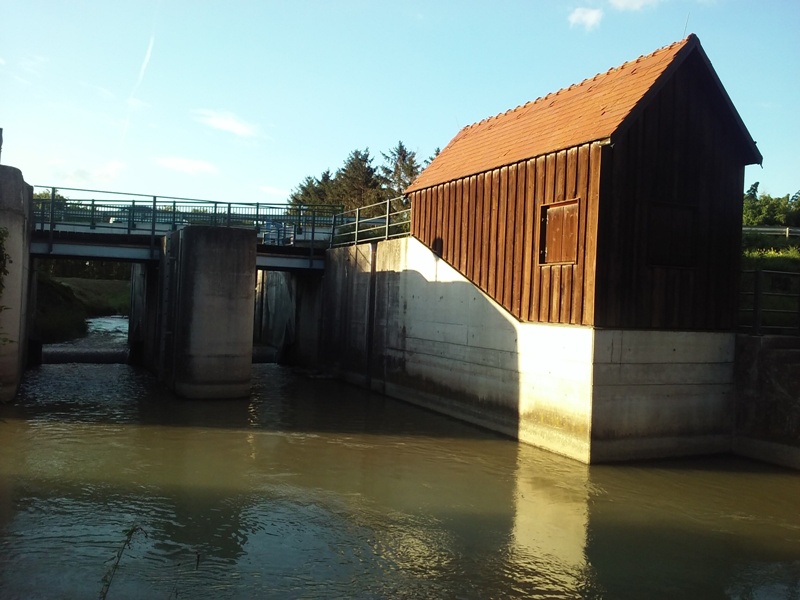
314	489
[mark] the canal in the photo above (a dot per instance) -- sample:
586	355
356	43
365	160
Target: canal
112	487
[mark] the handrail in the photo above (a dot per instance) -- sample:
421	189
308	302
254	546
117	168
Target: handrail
772	303
388	219
780	230
103	211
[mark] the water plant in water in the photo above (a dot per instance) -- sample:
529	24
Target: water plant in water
109	576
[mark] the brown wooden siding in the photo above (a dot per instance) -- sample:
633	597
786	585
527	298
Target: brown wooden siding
488	227
670	223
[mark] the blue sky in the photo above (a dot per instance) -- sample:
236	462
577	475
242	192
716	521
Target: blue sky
240	100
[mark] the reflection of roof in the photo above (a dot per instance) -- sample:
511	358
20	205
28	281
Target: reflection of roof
589	111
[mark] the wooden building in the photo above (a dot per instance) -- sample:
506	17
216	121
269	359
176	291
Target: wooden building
614	203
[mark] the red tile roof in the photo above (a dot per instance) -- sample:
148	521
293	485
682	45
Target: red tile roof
589	111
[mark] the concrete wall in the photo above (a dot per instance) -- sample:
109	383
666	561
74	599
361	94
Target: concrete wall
15	203
768	399
205	304
661	393
433	338
403	322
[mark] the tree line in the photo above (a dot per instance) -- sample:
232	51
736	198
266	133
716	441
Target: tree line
760	209
358	182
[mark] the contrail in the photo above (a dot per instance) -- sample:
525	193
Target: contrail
145	62
135	89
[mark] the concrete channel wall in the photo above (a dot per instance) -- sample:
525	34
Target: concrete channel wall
15	203
401	321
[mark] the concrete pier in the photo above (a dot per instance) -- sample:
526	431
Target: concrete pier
15	203
192	316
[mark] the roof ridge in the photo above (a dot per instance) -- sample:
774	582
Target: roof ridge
640	58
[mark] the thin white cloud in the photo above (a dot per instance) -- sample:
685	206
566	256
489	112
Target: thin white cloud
274	191
633	4
2	62
588	18
224	121
103	174
187	165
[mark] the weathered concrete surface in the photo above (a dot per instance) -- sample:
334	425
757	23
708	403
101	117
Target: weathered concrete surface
15	204
206	307
414	328
402	321
768	399
661	393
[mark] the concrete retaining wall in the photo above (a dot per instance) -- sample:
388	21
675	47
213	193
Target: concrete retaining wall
15	204
768	399
403	322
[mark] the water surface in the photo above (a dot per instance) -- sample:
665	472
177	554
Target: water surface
314	489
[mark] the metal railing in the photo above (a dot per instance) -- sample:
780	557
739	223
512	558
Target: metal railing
107	212
773	230
770	302
380	221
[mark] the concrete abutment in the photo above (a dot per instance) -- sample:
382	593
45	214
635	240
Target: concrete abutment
16	295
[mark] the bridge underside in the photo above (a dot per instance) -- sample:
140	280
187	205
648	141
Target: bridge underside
137	248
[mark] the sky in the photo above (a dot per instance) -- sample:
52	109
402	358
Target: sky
239	101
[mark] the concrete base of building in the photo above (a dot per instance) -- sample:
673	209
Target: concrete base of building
407	324
771	452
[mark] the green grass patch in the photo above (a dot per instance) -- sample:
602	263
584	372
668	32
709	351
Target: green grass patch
101	297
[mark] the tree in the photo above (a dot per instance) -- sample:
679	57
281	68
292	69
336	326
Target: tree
314	191
357	183
763	209
400	170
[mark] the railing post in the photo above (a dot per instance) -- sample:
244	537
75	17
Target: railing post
174	216
131	213
257	223
91	218
228	220
52	218
358	221
388	210
333	230
153	229
313	236
758	286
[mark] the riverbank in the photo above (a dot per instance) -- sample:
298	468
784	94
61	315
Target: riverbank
63	304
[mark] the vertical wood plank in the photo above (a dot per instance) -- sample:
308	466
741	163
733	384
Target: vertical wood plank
463	203
508	226
582	192
492	201
528	263
502	221
519	242
471	241
559	189
555	294
486	246
458	187
592	212
448	223
538	274
571	177
480	239
544	293
565	310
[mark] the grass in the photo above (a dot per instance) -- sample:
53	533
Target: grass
102	297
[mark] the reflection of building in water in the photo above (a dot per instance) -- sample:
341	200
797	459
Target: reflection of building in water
551	520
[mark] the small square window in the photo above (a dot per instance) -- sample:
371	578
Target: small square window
559	233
